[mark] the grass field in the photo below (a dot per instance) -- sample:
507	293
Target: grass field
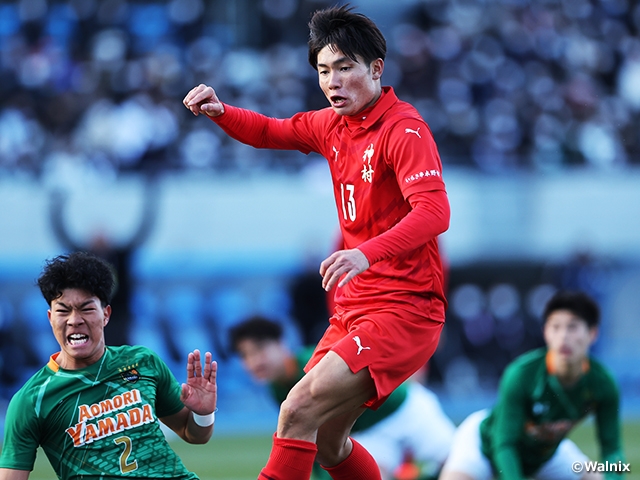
241	458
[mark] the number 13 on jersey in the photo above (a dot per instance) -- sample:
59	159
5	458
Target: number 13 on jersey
349	203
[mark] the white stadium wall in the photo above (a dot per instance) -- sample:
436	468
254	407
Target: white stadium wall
288	217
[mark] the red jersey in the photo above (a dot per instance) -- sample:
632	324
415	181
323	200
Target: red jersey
379	160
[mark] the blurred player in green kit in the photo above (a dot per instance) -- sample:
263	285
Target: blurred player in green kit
95	409
543	395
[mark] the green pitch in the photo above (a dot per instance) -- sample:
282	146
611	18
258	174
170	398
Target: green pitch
241	458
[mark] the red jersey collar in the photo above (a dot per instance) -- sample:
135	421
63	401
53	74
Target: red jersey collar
372	114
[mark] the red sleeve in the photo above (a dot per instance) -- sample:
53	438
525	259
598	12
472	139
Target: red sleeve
413	155
260	131
428	218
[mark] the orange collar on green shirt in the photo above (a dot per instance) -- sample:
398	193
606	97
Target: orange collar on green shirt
52	364
551	368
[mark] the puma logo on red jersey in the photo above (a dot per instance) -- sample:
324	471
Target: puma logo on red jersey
417	132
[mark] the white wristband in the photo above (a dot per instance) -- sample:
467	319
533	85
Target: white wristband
205	420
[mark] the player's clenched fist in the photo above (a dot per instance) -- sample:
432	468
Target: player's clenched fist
203	99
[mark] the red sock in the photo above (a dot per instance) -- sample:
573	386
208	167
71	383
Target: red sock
359	465
290	459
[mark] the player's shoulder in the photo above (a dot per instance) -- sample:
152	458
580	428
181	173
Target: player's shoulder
403	112
527	364
404	121
124	350
521	376
131	354
599	373
322	119
32	388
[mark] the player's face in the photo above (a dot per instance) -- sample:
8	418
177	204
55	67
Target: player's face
264	359
78	320
349	86
568	337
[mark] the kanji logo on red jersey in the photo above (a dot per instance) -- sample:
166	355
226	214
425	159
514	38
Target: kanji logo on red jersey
367	170
419	175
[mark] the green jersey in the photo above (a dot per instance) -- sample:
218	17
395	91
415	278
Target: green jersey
535	412
99	422
368	419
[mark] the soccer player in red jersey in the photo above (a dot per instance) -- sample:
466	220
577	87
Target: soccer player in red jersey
392	205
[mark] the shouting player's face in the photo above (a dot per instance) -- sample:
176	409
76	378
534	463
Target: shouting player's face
568	337
264	359
349	86
78	320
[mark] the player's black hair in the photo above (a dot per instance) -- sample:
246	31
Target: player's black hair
80	270
353	34
578	303
254	328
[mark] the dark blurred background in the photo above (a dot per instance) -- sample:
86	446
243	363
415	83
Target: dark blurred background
535	107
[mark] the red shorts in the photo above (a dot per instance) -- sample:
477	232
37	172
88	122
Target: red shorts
392	343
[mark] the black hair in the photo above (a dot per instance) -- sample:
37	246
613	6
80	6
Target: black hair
254	328
353	34
578	303
80	270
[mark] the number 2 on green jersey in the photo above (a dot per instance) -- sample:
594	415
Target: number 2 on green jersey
125	465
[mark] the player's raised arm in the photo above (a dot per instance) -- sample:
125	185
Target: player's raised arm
194	423
203	99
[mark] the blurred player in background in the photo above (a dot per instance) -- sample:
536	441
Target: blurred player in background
409	423
543	395
94	409
392	205
120	254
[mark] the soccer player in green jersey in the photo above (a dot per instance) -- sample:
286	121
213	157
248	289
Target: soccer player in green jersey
543	395
95	409
410	422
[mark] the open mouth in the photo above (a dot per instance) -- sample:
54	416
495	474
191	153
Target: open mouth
566	351
76	339
337	101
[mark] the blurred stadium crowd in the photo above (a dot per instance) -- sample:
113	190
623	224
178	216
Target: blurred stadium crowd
504	84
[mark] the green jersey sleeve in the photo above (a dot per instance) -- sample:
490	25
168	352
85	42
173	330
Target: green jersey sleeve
508	418
607	417
169	401
21	435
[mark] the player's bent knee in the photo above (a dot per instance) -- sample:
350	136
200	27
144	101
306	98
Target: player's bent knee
291	410
296	411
